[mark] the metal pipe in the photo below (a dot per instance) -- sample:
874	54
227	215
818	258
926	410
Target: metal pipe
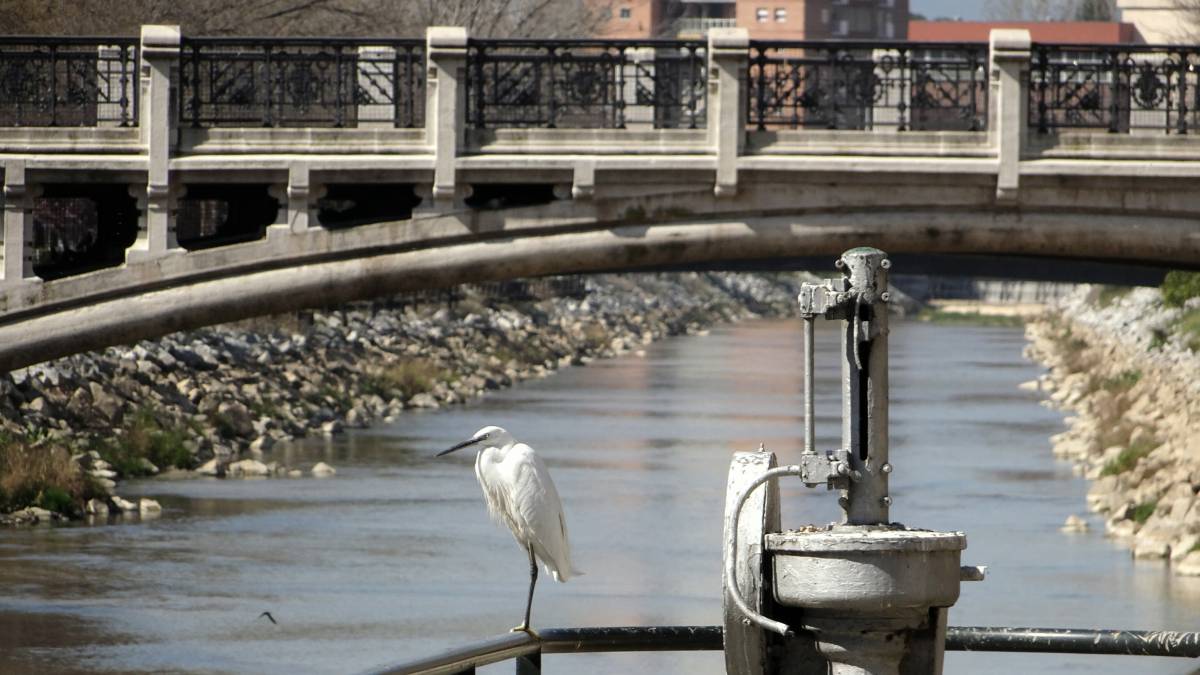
632	639
810	423
711	638
1074	641
492	650
731	547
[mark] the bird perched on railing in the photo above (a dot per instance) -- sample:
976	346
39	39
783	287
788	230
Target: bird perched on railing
520	494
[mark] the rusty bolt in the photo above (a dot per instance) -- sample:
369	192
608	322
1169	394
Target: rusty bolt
885	296
886	501
885	263
886	468
839	263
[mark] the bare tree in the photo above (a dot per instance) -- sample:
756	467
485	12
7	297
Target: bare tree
483	18
1189	26
1030	10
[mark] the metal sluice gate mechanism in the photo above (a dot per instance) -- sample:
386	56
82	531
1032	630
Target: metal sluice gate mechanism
861	596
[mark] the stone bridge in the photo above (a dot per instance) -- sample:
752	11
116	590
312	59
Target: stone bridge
166	182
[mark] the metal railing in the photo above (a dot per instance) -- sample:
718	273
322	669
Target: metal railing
302	82
586	84
527	649
68	81
1120	89
868	85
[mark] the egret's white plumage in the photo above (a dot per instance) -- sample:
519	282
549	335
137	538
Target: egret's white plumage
519	493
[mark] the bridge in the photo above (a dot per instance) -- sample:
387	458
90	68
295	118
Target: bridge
165	182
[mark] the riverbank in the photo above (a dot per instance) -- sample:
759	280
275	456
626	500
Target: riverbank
1125	365
218	400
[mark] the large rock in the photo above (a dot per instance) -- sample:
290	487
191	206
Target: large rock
323	470
1189	566
247	467
237	417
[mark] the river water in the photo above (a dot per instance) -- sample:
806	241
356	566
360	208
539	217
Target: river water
395	557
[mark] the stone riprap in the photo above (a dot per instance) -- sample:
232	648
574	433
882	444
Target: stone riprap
232	392
1131	385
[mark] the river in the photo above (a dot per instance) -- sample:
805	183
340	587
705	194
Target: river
395	557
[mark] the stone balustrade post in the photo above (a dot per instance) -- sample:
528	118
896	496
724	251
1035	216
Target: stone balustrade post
297	201
1008	66
18	223
728	60
159	54
445	107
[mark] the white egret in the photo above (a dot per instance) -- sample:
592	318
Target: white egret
520	494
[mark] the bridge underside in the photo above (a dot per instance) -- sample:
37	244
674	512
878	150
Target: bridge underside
1141	227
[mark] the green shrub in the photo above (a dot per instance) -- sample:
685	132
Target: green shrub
1128	458
1178	287
146	437
1123	381
1188	326
1143	511
56	499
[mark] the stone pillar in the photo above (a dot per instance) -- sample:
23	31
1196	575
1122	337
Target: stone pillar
18	223
728	59
445	107
160	52
1008	115
297	201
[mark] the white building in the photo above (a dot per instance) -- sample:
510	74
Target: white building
1163	21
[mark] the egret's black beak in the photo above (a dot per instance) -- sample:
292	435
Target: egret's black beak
460	446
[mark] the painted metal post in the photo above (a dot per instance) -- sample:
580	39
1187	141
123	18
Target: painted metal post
159	54
18	223
728	59
1009	105
865	596
865	387
445	108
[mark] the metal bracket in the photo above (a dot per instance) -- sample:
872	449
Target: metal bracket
829	299
832	469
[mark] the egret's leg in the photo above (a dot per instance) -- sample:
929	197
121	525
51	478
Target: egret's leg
524	627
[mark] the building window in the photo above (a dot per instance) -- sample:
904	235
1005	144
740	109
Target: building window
626	13
889	30
781	15
824	16
762	15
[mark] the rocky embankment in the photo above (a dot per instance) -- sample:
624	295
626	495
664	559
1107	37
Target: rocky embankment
218	400
1130	379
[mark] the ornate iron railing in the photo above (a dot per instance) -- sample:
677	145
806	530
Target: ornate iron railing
298	82
1118	88
586	84
849	85
68	82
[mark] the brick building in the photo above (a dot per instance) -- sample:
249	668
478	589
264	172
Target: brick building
764	19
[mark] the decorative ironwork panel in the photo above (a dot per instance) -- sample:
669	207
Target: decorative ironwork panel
301	82
1118	89
586	84
846	85
68	82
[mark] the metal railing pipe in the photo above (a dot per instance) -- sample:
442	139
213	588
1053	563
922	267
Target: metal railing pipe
464	659
1074	641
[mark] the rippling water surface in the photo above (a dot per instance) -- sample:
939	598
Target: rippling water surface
395	558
